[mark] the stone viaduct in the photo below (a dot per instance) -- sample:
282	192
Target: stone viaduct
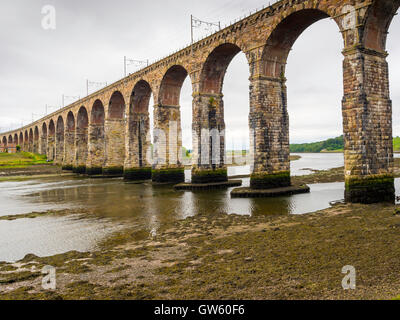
108	131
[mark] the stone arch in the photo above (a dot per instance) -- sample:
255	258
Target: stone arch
43	139
51	140
16	140
59	156
208	117
97	115
69	142
36	140
215	66
269	119
116	108
115	135
81	140
167	119
171	85
138	144
10	139
96	139
282	38
379	18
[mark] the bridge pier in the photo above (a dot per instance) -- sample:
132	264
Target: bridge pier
35	146
208	139
50	147
69	149
81	141
80	151
138	148
167	166
95	161
367	121
43	141
26	142
115	147
269	133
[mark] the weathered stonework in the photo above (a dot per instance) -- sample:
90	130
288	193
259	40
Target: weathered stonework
95	160
138	148
81	150
269	133
367	114
167	165
266	37
208	139
115	147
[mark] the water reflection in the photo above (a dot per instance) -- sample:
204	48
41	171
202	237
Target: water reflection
145	205
49	236
316	161
116	198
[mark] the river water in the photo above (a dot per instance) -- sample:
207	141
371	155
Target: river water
145	205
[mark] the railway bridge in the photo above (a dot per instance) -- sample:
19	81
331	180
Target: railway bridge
107	132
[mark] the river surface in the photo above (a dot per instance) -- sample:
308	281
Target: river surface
145	205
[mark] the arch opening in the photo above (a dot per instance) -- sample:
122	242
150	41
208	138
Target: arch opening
168	152
236	105
394	65
209	147
116	108
214	69
282	39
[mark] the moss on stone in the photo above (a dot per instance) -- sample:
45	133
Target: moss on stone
112	171
137	174
209	176
270	180
370	189
79	169
92	171
170	175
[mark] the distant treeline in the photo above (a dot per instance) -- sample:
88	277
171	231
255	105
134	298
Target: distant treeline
330	145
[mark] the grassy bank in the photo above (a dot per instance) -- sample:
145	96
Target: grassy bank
20	160
335	145
24	165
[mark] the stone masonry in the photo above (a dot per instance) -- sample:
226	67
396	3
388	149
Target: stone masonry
115	138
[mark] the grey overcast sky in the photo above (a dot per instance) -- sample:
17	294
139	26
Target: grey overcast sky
92	37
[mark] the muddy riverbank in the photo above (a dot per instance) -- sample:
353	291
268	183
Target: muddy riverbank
213	255
229	257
